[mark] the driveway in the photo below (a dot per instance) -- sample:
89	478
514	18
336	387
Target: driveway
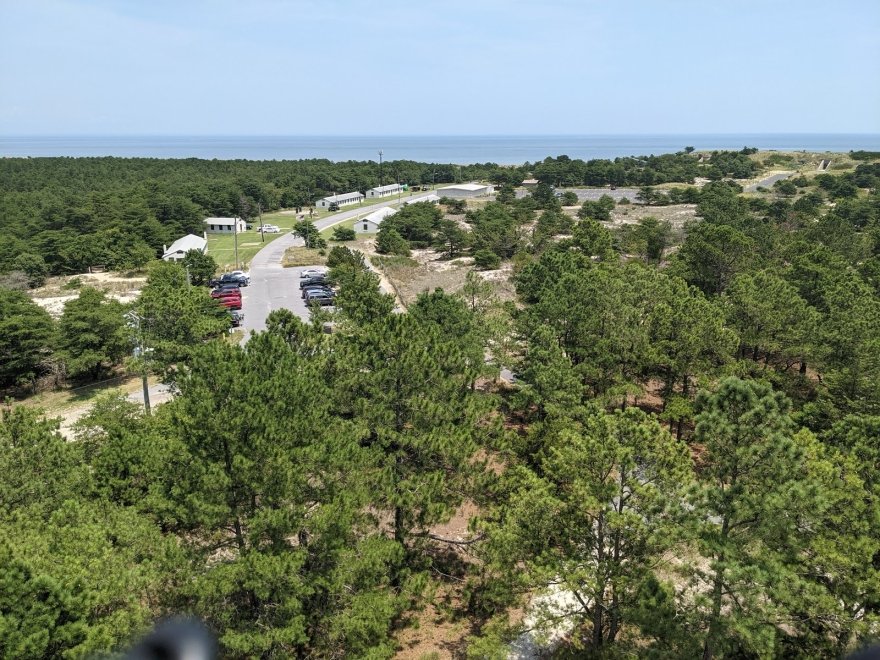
275	287
768	181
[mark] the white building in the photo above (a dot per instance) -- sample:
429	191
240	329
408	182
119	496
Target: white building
181	246
466	190
343	199
385	191
370	223
427	199
224	225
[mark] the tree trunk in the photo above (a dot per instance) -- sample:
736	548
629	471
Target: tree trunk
717	586
599	604
803	368
755	353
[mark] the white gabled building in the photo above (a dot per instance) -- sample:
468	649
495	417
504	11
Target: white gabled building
225	225
385	191
370	223
343	199
466	190
181	246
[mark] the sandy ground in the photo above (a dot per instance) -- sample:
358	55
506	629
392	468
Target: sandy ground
52	296
676	214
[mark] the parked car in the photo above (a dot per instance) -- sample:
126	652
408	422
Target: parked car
227	293
239	279
237	318
333	206
315	279
313	272
269	229
241	273
318	288
320	297
230	302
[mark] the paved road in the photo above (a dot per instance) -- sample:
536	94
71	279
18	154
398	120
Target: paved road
768	182
275	287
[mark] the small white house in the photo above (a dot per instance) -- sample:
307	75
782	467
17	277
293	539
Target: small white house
343	199
530	183
466	190
369	224
181	246
225	225
385	191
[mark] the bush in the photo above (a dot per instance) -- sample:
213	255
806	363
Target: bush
391	242
569	198
486	260
343	234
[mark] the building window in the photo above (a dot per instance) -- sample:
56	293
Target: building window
365	226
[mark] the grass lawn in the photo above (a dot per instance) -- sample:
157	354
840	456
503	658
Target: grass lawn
302	256
222	247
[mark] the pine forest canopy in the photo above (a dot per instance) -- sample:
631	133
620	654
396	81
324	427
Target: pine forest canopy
688	459
119	212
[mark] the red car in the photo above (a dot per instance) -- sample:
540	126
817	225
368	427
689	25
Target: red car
230	302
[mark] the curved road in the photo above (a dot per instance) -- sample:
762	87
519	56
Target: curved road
275	287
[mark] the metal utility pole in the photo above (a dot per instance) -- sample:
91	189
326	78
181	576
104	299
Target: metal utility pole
134	322
380	168
235	239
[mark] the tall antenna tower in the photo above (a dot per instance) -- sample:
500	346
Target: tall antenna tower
380	168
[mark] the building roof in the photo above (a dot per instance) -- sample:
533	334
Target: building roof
390	186
185	244
427	198
337	197
530	182
379	215
466	186
221	221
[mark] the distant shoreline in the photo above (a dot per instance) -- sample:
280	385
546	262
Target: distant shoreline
464	149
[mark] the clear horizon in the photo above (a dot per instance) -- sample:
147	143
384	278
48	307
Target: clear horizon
456	68
440	135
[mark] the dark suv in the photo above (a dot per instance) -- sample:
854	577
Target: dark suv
229	278
310	281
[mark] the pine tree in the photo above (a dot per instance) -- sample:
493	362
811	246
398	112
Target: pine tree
751	505
92	337
594	520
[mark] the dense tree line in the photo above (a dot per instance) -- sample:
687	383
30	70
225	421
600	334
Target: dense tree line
686	465
62	215
93	337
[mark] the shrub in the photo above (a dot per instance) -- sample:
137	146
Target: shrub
390	241
343	234
486	260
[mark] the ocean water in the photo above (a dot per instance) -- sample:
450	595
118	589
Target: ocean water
460	149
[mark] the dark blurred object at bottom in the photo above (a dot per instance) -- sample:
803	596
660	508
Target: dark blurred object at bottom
176	639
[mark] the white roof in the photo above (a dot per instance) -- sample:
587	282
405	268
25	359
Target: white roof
390	186
466	186
428	198
187	243
221	221
379	215
336	198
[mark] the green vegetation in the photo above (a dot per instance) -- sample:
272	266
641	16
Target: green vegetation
687	456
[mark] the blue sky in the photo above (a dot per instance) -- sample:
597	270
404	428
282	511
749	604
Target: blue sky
456	67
